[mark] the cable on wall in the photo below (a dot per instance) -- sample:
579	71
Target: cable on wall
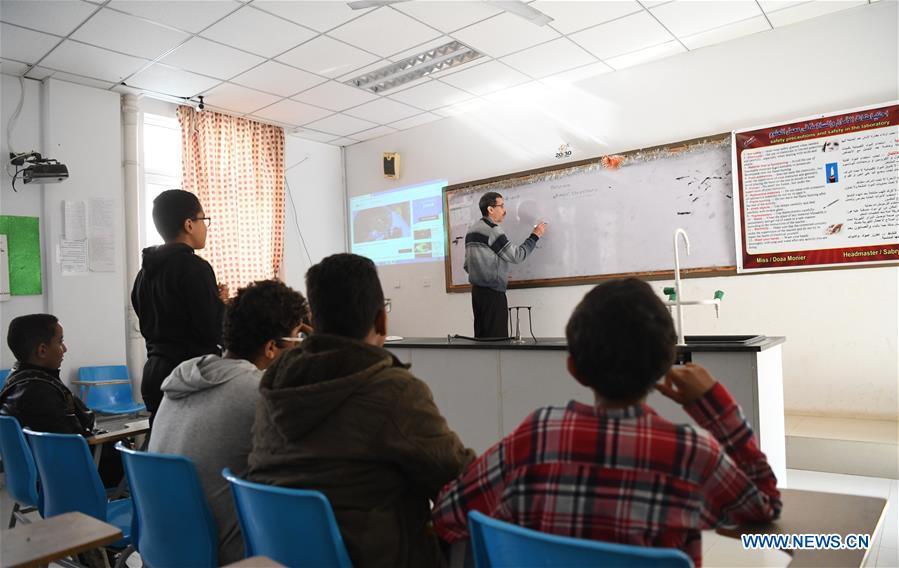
293	206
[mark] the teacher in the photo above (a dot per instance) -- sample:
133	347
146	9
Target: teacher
488	254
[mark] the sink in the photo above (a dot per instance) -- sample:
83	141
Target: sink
723	339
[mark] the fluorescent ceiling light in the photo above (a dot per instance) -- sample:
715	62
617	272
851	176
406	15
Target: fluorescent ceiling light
415	67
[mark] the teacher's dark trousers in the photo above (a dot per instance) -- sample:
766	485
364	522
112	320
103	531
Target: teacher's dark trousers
491	313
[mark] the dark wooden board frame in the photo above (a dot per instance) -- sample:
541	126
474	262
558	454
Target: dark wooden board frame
577	280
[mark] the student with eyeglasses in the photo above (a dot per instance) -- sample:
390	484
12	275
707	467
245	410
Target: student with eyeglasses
209	402
175	295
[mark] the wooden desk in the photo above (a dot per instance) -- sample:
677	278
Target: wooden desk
44	541
807	512
127	430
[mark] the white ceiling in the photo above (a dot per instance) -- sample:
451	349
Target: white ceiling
284	62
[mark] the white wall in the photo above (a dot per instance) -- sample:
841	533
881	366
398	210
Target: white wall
82	128
315	181
25	136
841	325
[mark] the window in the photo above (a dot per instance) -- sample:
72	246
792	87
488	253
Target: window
162	168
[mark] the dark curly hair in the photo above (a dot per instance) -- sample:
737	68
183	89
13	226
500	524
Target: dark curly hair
622	339
264	310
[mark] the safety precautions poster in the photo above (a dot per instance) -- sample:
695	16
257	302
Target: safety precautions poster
823	191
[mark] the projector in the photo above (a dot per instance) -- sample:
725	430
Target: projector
45	173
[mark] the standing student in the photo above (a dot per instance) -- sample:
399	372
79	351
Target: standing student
175	295
488	254
615	470
209	402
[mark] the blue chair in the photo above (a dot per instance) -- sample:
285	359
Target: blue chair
295	527
175	525
497	543
107	389
70	482
3	374
21	474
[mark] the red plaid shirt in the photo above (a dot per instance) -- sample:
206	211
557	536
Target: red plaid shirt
622	475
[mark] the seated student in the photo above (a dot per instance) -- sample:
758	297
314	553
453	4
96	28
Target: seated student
616	470
34	393
175	295
36	397
209	402
343	416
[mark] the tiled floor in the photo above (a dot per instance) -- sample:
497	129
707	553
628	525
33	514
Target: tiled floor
727	552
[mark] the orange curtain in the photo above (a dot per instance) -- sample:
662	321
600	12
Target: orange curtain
235	167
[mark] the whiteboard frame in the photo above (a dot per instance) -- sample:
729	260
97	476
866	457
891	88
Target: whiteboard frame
578	280
738	199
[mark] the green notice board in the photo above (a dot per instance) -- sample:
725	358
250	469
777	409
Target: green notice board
23	239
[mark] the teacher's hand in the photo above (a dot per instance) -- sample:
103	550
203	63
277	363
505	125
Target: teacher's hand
540	228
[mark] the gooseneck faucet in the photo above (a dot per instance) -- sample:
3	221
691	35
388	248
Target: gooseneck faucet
678	305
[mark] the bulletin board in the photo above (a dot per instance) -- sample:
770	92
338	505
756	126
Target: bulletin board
818	192
24	244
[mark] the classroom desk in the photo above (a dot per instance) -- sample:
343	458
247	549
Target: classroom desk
44	541
807	512
117	431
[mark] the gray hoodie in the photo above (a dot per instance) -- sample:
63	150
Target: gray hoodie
207	415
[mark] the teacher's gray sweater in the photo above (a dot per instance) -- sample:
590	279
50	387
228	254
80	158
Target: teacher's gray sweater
488	254
207	413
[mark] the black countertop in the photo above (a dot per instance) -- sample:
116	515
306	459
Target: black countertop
694	343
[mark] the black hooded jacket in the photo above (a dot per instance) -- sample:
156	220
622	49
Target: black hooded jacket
39	400
177	302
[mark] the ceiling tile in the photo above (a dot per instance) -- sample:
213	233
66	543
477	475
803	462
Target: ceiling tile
462	108
86	81
579	74
385	32
772	5
92	61
210	58
188	15
431	95
127	34
382	111
335	96
653	3
327	56
688	18
321	16
487	78
341	125
292	112
12	67
277	78
646	55
238	99
343	142
312	135
630	33
549	58
24	45
373	133
58	17
570	17
269	35
413	121
725	33
39	73
448	16
362	70
808	10
169	81
504	34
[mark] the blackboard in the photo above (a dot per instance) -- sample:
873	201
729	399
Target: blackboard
609	216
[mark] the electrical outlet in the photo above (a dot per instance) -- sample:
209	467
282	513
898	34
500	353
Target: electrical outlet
426	282
397	284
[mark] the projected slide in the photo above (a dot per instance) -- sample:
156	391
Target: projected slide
399	226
